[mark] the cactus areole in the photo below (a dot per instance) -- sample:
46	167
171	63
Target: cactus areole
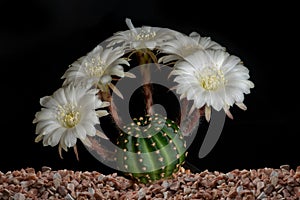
151	148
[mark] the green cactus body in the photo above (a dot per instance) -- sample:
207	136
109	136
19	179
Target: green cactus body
151	148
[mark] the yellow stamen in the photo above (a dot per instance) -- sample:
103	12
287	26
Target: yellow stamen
68	116
95	67
211	78
145	35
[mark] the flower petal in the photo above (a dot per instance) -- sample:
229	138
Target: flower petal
102	113
69	138
117	70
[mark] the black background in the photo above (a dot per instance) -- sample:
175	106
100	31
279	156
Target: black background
39	39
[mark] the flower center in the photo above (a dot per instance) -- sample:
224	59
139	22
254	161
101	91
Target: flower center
145	35
211	78
95	67
68	116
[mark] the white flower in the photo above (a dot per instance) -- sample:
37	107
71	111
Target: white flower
141	38
184	45
206	42
97	67
70	113
212	79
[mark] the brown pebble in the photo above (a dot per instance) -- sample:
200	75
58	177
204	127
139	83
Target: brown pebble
285	193
286	167
30	170
98	194
260	185
45	195
297	174
167	195
136	186
175	186
45	168
269	188
265	183
232	193
262	195
194	186
297	191
155	189
62	191
69	197
274	180
19	196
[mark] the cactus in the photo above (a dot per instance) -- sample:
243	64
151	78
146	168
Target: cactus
151	148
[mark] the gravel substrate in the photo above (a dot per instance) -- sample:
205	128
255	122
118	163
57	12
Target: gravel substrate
266	183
